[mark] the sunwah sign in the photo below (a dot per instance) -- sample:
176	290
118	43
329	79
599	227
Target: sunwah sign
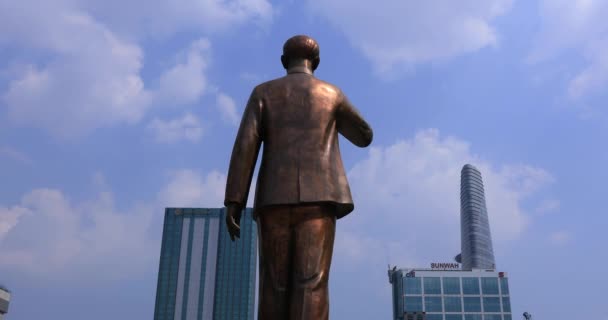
445	266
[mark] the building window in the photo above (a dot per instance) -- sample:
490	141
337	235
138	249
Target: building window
412	285
452	304
504	286
432	285
472	316
507	316
434	316
489	285
470	285
451	285
492	317
413	304
453	317
506	304
432	304
472	304
417	316
491	304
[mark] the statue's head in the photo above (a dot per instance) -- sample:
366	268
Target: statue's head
301	48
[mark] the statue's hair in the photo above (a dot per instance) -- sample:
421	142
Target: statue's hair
302	47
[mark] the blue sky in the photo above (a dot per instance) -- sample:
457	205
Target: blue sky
110	111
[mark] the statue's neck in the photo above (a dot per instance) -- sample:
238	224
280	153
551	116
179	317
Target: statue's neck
300	66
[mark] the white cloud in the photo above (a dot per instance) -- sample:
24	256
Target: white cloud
15	155
559	238
577	25
594	77
161	18
395	33
135	19
548	206
90	79
227	108
83	62
185	82
54	234
416	182
189	188
9	218
187	128
47	233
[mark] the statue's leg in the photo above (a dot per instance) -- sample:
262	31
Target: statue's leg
314	231
274	242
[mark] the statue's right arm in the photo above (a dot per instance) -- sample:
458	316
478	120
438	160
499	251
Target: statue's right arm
351	124
245	152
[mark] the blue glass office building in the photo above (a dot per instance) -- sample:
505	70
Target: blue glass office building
203	275
424	294
476	241
5	299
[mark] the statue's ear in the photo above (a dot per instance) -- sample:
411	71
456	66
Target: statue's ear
285	61
315	63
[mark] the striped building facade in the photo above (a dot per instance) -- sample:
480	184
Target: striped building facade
202	274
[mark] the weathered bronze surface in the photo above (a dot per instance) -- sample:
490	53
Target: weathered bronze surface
301	188
296	244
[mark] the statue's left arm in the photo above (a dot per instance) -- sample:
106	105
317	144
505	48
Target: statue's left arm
242	163
244	153
351	124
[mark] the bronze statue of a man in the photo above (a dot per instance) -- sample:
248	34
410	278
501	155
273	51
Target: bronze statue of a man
301	187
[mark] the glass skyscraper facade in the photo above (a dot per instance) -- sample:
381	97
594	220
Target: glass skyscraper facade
476	241
203	275
423	294
5	298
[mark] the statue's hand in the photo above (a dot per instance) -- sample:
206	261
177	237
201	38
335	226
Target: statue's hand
233	220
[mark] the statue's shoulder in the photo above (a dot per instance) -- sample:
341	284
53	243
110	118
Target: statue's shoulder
279	83
264	86
328	87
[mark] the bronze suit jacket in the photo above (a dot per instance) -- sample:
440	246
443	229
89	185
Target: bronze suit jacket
297	118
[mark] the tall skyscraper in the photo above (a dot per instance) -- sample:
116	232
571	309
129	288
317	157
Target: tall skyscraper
5	299
476	241
203	275
446	291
